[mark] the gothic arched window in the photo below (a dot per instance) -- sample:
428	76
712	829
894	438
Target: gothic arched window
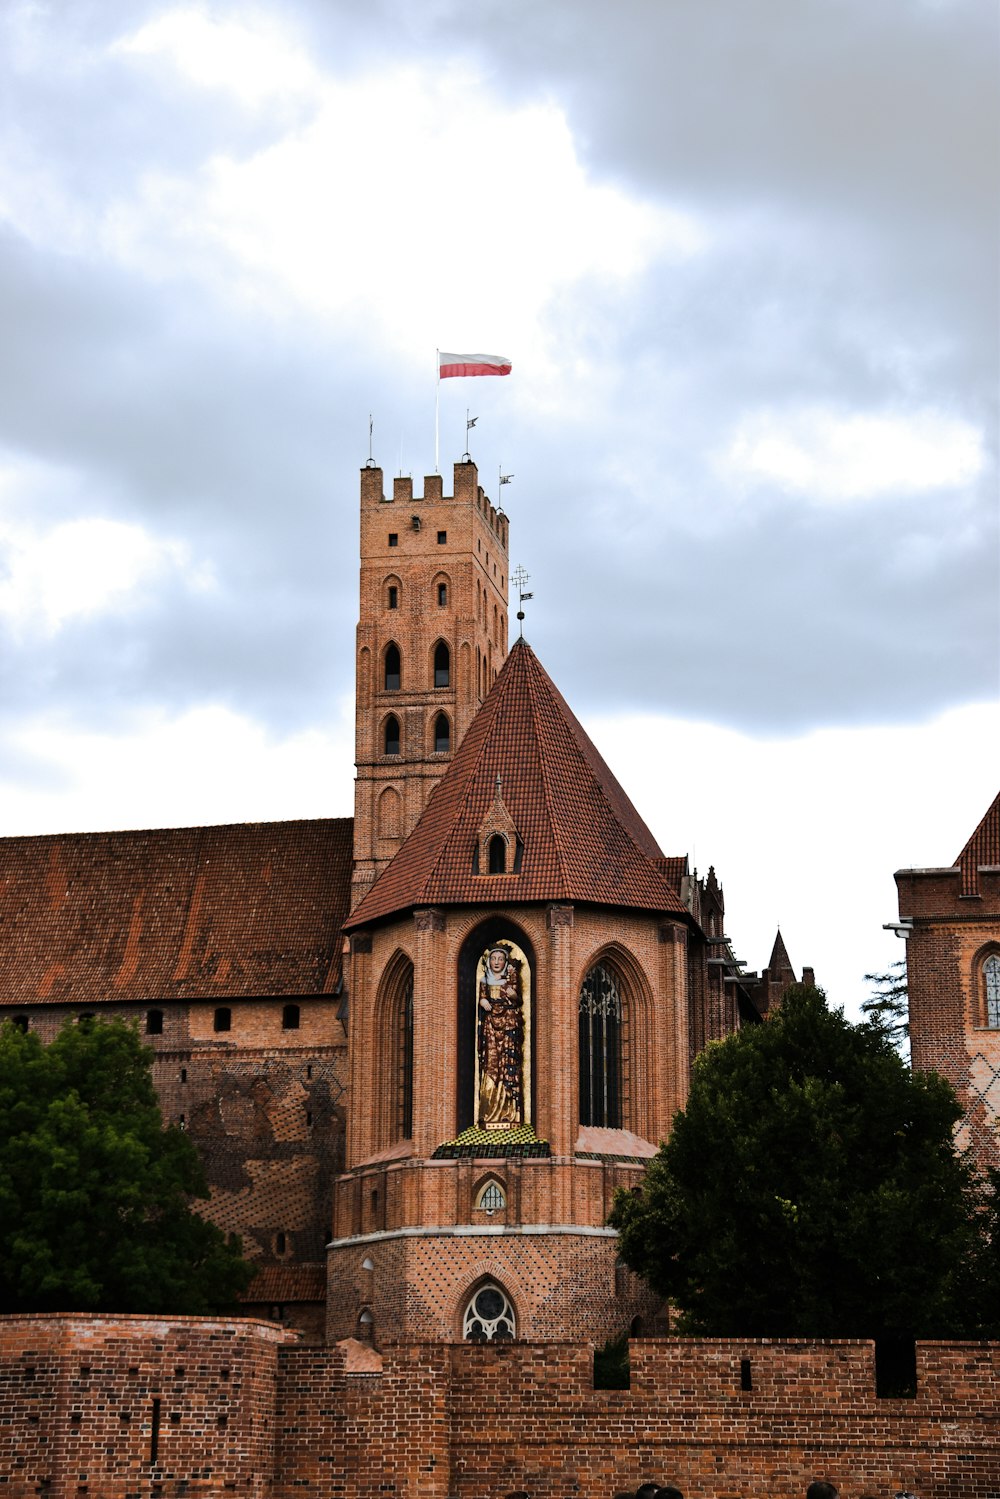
390	742
442	734
991	982
393	669
497	854
601	1048
442	665
489	1316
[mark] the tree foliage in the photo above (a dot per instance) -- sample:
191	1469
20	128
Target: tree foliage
811	1187
95	1195
888	1004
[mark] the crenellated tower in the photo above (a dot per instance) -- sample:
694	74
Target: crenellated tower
432	635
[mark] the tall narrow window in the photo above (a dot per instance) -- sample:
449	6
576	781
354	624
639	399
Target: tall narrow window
442	734
404	1065
497	854
991	978
393	670
442	665
442	595
392	600
391	739
601	1049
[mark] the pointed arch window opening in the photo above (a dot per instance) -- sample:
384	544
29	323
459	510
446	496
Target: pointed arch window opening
489	1316
442	735
496	855
442	665
391	740
393	674
602	1049
991	980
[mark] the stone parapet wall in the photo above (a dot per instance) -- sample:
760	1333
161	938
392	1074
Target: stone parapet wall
245	1409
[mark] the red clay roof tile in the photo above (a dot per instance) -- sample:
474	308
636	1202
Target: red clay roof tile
176	913
583	841
981	851
278	1283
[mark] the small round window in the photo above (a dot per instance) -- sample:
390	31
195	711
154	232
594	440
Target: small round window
489	1316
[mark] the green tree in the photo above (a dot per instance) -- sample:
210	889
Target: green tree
811	1187
95	1195
888	1004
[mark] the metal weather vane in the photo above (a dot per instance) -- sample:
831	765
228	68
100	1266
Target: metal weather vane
519	577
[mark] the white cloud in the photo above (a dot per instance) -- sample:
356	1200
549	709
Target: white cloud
415	204
205	766
832	457
807	832
254	62
82	567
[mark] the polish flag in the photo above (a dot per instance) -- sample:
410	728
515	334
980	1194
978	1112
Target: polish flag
472	364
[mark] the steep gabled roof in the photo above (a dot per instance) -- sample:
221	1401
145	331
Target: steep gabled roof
174	913
583	841
982	850
779	961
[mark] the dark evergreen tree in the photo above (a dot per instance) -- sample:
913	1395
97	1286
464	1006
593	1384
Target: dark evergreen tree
811	1187
95	1195
888	1004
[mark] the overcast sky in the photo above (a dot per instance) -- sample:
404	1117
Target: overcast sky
743	257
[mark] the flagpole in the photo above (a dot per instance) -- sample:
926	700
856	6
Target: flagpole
437	410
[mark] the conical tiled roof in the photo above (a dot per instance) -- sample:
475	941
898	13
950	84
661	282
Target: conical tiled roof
779	961
583	841
982	850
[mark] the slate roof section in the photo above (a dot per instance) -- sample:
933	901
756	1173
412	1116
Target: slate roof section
981	851
583	841
176	913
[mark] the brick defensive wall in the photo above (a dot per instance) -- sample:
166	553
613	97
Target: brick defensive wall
136	1407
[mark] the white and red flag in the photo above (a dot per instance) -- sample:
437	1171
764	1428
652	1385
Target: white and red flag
472	364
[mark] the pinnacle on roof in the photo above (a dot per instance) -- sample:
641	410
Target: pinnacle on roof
580	838
982	850
779	961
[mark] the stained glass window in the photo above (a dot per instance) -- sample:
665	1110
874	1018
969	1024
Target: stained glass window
601	1049
991	975
489	1316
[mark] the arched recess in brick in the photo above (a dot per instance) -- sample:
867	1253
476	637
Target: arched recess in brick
392	668
489	1274
364	674
441	591
632	1092
497	930
389	819
986	986
392	1101
441	664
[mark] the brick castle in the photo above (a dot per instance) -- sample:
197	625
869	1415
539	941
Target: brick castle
419	1050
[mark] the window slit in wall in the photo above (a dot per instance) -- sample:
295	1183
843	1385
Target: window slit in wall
154	1431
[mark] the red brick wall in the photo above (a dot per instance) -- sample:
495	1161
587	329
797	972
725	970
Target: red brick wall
447	1421
77	1406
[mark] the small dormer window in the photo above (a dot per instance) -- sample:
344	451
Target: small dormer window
497	854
